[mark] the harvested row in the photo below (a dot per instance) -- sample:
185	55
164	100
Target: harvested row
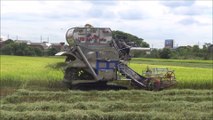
105	105
135	96
98	115
163	106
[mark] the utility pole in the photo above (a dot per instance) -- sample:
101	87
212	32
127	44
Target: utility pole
41	38
48	39
8	36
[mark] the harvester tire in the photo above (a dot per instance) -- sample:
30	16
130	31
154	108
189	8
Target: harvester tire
70	75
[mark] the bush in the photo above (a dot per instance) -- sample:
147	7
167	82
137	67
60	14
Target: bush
165	53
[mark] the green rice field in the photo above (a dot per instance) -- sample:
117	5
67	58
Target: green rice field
31	89
47	71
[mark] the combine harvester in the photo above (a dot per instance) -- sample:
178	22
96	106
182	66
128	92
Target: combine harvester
95	57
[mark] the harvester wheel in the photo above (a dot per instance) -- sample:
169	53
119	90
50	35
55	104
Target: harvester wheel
70	75
84	75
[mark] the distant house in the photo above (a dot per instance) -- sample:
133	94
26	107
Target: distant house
58	46
42	46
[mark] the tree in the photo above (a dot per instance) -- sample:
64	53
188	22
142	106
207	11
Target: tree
195	49
52	51
165	53
21	49
207	51
130	39
7	50
38	51
183	52
9	41
154	53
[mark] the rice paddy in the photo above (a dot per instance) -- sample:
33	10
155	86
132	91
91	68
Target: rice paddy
31	89
47	71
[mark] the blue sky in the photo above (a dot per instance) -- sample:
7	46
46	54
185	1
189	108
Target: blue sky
188	22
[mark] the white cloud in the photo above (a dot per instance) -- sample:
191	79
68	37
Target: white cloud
204	3
154	21
174	4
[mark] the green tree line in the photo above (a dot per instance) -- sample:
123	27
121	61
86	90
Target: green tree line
22	49
183	52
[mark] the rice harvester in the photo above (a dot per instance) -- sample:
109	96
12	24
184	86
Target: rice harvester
94	56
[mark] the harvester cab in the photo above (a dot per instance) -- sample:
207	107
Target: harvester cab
94	56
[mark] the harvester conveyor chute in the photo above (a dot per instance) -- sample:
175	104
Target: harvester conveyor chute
134	76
